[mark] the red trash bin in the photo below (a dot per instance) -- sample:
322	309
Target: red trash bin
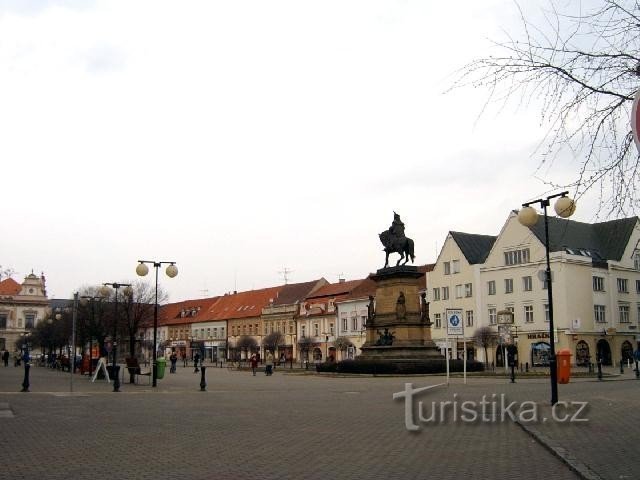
564	365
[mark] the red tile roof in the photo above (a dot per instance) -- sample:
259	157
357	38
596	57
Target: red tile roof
243	304
9	287
335	289
170	314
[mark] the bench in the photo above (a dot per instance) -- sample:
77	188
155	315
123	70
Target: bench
134	369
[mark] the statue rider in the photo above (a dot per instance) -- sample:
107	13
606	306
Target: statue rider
397	231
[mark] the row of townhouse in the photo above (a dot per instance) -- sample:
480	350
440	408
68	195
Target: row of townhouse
313	318
596	289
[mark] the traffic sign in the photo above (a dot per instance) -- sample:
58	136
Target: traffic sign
455	326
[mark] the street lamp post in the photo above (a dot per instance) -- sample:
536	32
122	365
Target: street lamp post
142	269
564	207
27	363
91	299
105	292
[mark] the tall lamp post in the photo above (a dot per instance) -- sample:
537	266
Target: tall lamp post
142	269
105	292
91	299
564	207
25	359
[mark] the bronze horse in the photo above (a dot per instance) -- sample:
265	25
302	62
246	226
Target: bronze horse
403	246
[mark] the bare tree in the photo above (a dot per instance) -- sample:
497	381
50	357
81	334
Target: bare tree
485	337
342	343
246	343
305	344
273	341
6	272
584	66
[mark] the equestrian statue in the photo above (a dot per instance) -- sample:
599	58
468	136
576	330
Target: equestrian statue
394	241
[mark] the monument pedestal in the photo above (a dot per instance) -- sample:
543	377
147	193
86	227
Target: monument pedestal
400	330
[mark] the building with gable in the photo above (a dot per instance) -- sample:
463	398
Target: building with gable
22	307
596	287
454	283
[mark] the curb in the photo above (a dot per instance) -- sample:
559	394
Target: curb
580	468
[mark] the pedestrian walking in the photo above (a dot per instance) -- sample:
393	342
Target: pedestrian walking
174	360
268	364
196	360
185	363
5	358
254	364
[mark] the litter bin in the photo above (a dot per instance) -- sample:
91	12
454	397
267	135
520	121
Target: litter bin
161	364
564	365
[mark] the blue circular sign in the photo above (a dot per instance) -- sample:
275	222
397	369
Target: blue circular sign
454	320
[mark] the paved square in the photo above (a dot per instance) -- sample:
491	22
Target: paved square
292	425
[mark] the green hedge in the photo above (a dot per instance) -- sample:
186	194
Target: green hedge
401	368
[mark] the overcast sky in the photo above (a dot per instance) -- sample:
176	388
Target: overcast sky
240	138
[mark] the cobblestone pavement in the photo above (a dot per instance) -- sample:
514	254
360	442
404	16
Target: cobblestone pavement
300	426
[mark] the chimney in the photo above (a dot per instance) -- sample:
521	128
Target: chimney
341	280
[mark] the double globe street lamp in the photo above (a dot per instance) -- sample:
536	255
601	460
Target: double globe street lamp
104	291
142	269
564	207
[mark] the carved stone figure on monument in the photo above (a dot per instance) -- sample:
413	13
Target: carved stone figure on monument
424	310
401	308
371	312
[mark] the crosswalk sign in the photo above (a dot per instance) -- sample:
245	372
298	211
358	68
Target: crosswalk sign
455	326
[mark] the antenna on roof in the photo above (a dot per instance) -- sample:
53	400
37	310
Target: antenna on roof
285	274
341	277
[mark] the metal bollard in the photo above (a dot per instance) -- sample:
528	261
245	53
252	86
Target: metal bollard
621	366
203	381
599	369
637	371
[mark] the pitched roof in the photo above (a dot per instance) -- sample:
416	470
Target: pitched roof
474	247
242	304
335	289
296	292
607	239
196	311
9	286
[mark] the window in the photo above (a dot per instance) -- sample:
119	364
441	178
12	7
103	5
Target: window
623	285
623	313
598	284
546	313
345	324
3	321
30	319
222	332
468	289
354	324
469	314
303	330
527	284
491	286
436	294
493	316
458	291
528	313
455	266
599	314
291	329
331	329
508	285
316	330
516	257
437	320
637	286
447	268
215	332
445	293
363	321
636	260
